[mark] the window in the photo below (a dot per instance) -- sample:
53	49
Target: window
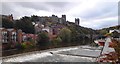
14	36
4	36
3	40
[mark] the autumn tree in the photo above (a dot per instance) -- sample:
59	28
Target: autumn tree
65	35
43	39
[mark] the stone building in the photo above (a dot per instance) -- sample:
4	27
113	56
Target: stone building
53	18
10	36
77	21
64	18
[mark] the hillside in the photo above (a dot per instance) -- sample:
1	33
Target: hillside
106	30
81	29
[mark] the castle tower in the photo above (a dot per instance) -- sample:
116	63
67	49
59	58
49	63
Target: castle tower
54	18
77	21
64	18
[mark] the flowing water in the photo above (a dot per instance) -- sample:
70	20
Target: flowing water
67	54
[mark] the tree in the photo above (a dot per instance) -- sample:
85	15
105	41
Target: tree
103	32
78	34
34	18
43	39
6	23
74	34
65	35
56	42
25	25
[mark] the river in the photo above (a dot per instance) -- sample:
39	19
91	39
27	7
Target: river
65	54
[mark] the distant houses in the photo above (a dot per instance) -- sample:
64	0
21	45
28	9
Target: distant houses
52	30
51	24
115	30
115	33
13	36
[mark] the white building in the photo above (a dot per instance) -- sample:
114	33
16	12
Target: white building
110	31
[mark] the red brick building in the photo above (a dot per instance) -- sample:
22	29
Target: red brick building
10	37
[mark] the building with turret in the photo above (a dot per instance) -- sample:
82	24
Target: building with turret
77	21
64	18
53	18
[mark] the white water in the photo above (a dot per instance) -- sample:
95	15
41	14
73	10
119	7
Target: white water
65	50
34	56
27	57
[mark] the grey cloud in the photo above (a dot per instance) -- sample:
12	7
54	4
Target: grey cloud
55	7
33	5
107	24
103	24
6	8
13	8
46	6
59	7
58	4
104	9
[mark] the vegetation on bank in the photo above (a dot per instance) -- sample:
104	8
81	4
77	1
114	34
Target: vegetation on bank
66	37
106	30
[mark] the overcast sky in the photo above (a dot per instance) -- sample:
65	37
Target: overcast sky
94	14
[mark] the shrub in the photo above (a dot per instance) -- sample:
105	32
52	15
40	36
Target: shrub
29	44
43	39
56	41
65	35
24	46
18	46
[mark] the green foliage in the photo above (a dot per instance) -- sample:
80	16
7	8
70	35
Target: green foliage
24	46
74	34
34	18
56	41
25	25
103	32
65	35
7	23
78	34
18	46
43	39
